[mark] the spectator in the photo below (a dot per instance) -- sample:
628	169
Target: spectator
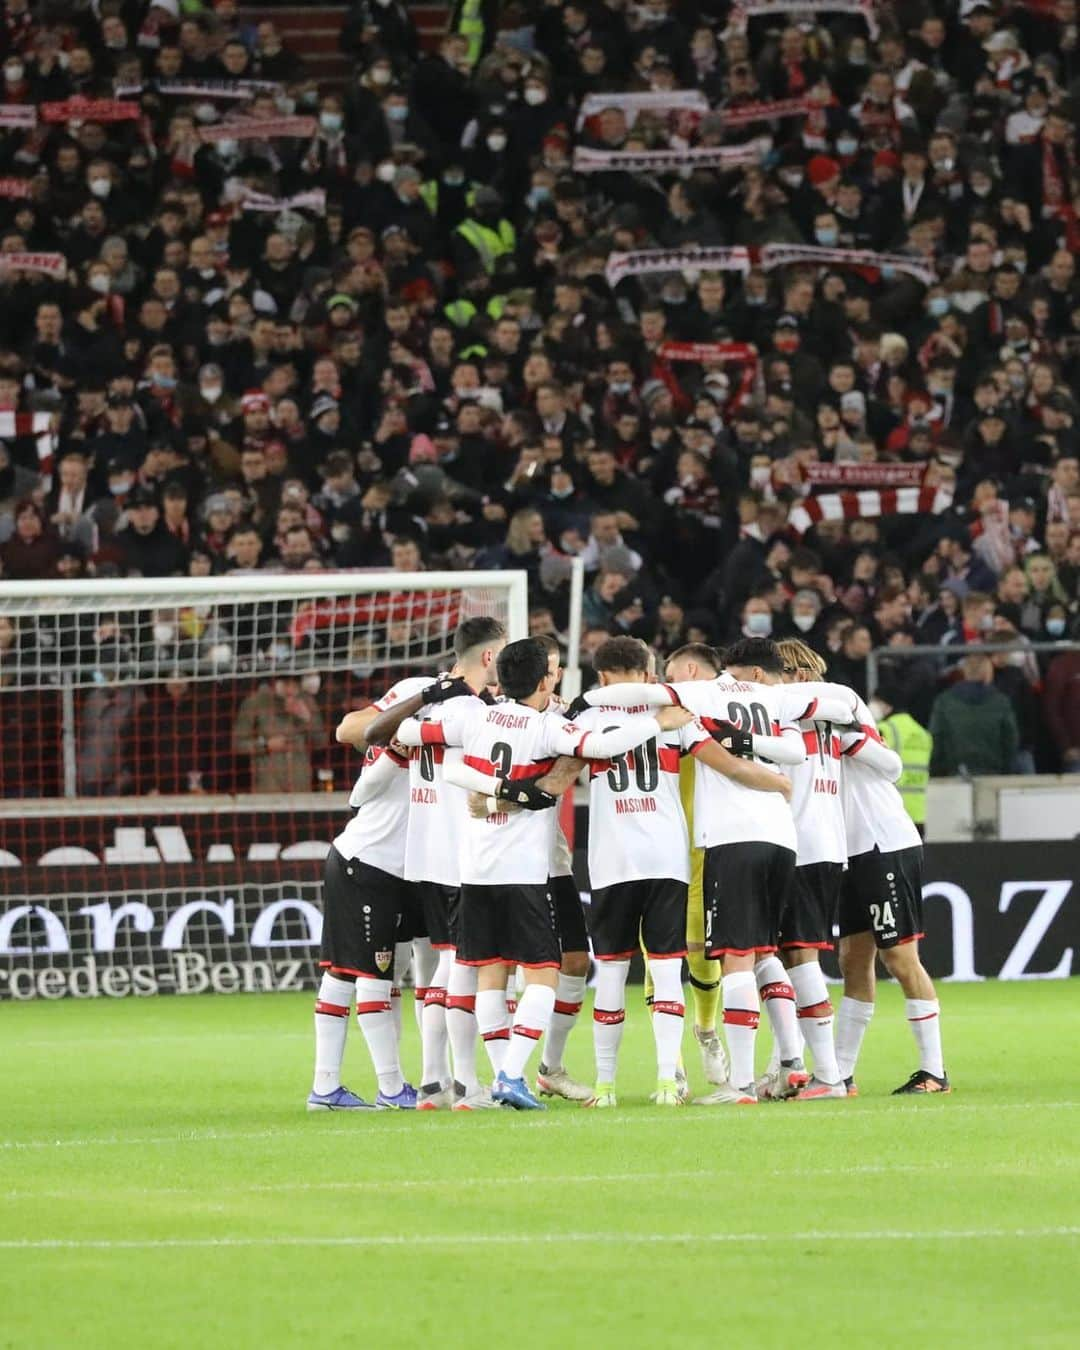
278	727
973	725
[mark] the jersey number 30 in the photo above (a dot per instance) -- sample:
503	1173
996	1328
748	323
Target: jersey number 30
646	769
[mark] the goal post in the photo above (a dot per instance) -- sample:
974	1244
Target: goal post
169	778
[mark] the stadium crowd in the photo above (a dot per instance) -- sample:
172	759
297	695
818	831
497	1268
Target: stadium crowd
251	323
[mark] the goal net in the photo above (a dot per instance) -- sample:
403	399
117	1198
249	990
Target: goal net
169	778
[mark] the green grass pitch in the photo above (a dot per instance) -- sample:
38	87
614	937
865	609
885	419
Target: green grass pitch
161	1184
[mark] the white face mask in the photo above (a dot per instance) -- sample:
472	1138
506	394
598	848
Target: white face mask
164	633
804	622
496	143
397	112
385	172
380	75
14	73
211	392
760	474
758	624
101	187
534	97
330	121
99	282
226	149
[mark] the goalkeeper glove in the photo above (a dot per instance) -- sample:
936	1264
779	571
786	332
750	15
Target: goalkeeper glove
526	793
445	688
730	738
575	709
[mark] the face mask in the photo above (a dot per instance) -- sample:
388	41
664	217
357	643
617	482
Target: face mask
560	494
983	190
454	180
945	165
620	386
536	197
857	57
826	238
99	282
760	475
310	684
847	146
397	112
878	709
380	75
1018	382
1055	627
330	121
14	73
534	97
938	306
101	187
792	179
755	300
496	143
227	149
211	392
205	112
119	487
163	381
164	633
385	172
759	625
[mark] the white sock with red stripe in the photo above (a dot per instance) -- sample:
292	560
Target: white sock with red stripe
331	1028
513	988
461	1024
424	961
531	1020
373	1002
569	996
779	999
816	1019
668	1010
924	1019
742	1012
852	1018
493	1023
434	1047
609	1016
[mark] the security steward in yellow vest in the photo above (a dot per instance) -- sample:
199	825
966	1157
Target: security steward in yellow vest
485	235
913	743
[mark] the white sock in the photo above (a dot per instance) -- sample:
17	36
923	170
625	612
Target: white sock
531	1020
924	1019
461	1024
402	962
377	1023
668	1011
569	996
852	1018
424	961
331	1027
742	1012
816	1019
609	1015
779	999
435	1050
493	1023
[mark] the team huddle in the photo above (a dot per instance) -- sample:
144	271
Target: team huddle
737	812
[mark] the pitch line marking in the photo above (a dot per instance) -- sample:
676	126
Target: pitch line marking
564	1120
530	1239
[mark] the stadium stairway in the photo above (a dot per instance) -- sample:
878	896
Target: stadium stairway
313	30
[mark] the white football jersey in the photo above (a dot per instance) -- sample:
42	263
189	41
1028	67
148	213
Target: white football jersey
637	830
377	833
816	801
874	812
437	810
725	812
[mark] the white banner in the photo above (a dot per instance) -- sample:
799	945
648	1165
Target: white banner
674	100
668	161
314	200
648	262
783	255
747	9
